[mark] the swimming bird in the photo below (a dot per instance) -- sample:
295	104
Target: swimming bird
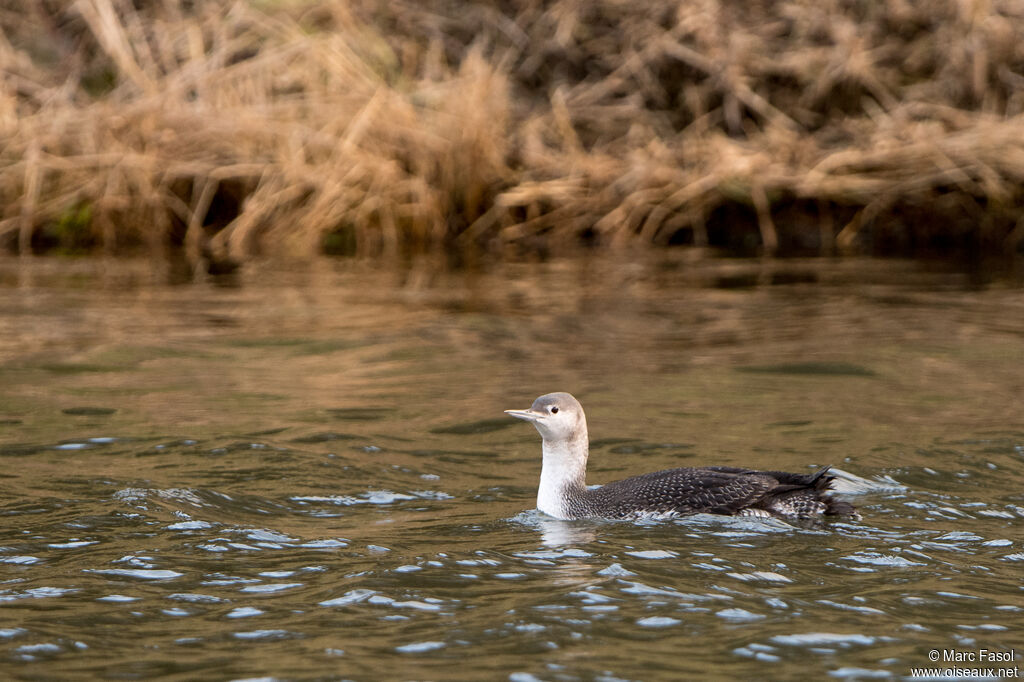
563	492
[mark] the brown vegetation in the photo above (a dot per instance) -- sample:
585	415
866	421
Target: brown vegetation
383	127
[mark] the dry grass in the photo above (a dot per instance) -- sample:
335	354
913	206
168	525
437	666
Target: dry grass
385	127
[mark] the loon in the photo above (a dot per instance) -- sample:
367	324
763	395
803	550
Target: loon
729	491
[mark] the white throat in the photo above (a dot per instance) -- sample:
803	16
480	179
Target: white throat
564	470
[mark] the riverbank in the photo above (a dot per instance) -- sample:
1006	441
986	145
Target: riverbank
231	129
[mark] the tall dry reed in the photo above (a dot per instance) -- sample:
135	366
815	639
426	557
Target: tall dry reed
382	127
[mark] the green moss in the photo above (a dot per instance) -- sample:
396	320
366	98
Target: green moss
71	234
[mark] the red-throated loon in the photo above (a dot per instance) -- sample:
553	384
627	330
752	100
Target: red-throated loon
563	492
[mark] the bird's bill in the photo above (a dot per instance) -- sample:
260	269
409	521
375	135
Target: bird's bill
528	415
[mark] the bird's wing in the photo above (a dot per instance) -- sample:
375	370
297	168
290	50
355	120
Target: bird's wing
687	491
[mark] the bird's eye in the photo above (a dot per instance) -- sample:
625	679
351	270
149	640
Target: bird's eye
554	410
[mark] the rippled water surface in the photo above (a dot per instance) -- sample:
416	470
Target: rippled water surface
309	476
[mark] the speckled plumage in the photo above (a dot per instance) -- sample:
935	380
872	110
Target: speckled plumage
712	490
674	492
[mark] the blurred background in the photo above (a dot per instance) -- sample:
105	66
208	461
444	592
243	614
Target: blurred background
373	128
271	270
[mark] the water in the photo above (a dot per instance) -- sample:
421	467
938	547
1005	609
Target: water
309	476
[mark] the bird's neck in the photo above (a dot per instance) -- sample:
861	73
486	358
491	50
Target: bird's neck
563	475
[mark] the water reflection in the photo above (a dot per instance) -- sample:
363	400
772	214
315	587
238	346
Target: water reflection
557	533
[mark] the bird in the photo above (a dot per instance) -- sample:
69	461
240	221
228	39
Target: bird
724	490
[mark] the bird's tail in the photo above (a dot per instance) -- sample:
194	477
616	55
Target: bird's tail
797	491
821	482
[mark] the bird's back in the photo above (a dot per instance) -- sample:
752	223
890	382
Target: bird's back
714	490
